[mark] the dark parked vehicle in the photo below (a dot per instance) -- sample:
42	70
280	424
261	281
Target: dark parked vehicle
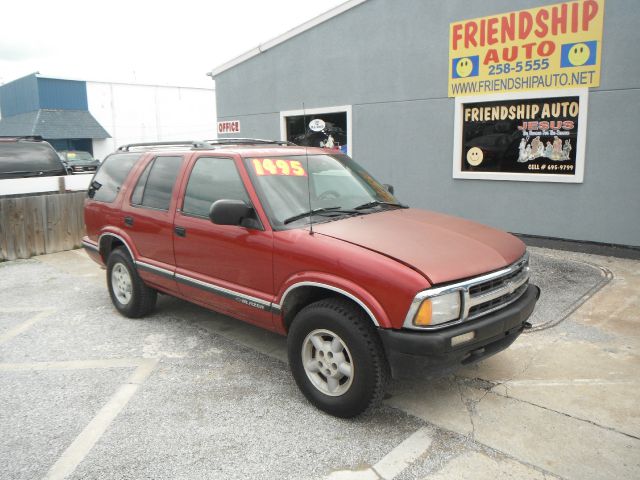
28	157
78	162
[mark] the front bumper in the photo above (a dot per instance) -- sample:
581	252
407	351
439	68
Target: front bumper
412	353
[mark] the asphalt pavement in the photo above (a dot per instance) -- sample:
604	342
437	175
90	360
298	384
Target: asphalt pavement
189	394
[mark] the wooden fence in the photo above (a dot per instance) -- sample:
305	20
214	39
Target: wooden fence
39	224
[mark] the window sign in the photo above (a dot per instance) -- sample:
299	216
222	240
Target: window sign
526	137
317	125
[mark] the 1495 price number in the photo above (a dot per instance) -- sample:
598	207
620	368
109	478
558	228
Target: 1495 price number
280	166
517	67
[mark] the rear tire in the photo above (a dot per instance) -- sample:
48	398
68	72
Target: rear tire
336	358
129	294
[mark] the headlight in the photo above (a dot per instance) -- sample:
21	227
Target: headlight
438	309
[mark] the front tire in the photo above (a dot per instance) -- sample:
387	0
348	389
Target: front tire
336	358
129	294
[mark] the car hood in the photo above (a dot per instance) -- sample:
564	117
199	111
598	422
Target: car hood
441	247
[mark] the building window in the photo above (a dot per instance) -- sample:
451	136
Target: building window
328	127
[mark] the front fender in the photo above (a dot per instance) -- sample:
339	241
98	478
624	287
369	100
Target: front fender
340	285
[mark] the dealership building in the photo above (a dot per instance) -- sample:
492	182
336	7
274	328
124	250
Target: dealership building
520	114
98	116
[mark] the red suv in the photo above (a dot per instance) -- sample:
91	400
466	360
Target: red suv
306	243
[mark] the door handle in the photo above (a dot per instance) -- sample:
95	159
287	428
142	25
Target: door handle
128	221
180	231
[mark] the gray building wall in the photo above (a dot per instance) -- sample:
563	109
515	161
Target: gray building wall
389	60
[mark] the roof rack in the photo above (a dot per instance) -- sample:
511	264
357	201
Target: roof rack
247	141
32	138
151	145
202	145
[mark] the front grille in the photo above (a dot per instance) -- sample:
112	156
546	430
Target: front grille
480	295
493	284
496	293
496	303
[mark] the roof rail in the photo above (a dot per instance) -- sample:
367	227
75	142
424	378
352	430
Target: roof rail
204	144
181	143
33	138
247	141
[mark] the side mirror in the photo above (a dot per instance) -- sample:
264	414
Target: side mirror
231	212
389	188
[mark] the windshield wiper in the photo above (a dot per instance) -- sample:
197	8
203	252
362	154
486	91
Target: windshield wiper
376	203
317	211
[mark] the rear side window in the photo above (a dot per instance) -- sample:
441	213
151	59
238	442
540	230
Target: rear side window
212	179
111	175
24	159
155	185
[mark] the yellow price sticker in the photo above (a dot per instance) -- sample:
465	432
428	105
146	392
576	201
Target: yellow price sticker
280	166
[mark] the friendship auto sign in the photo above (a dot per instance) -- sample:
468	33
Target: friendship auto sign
547	48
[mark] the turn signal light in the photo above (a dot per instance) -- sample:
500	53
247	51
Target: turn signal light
423	317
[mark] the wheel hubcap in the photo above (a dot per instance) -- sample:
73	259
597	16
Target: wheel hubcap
327	362
121	283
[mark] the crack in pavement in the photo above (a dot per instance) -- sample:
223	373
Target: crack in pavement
491	387
469	409
469	403
611	429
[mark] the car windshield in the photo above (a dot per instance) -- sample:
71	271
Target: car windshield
293	188
78	157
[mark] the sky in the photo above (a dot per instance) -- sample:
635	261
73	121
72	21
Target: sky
140	41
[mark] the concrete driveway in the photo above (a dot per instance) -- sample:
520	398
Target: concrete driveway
189	394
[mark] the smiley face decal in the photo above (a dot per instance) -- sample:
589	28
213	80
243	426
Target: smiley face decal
464	67
579	54
475	156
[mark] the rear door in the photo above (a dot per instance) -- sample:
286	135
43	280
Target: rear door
147	216
228	267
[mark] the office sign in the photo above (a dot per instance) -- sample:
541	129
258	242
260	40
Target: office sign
229	126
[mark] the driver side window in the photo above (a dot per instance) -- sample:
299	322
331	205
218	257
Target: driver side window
212	179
